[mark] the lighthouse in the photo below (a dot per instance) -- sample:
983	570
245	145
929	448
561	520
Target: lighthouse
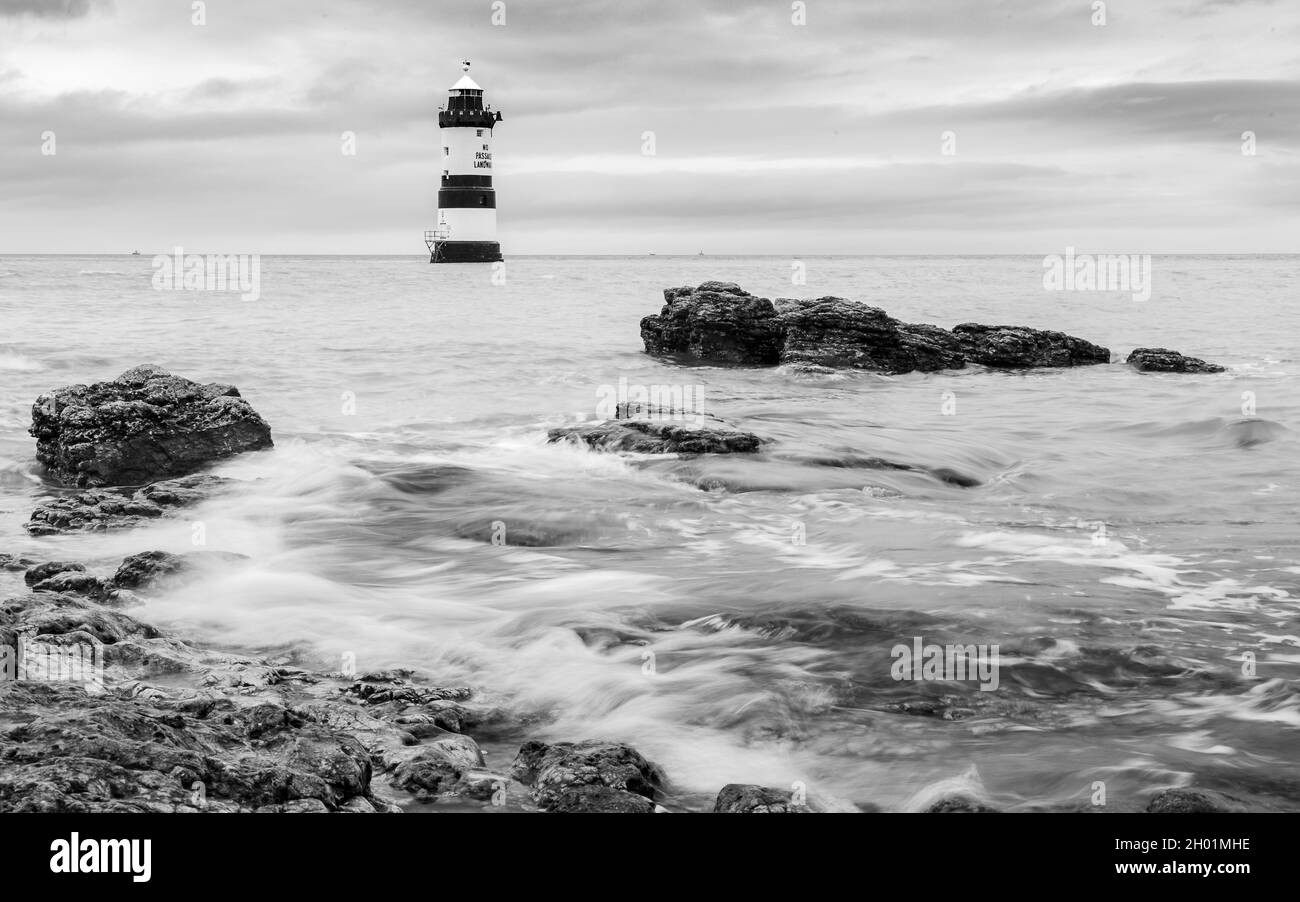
467	204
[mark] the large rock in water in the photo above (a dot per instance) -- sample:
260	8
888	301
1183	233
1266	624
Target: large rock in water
720	322
1163	360
143	426
717	321
592	775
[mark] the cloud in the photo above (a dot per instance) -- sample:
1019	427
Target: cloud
51	9
765	131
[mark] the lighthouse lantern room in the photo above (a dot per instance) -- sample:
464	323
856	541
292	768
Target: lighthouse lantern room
467	203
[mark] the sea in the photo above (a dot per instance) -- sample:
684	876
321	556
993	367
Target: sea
1127	545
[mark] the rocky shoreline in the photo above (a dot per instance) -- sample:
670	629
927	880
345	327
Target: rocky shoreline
124	717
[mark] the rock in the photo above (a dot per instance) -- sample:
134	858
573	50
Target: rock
439	767
41	572
717	321
148	568
1192	801
144	426
960	804
1016	347
745	798
1163	360
722	323
834	332
376	689
73	751
600	800
103	509
551	770
659	437
15	562
77	583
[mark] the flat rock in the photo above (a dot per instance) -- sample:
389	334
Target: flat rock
143	426
1018	347
660	436
1163	360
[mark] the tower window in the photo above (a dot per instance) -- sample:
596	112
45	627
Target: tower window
480	132
446	151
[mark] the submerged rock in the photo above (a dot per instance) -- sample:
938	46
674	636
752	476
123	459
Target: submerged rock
102	509
557	774
746	798
143	426
1163	360
666	436
720	322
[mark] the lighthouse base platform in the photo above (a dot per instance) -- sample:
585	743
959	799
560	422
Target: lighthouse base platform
464	252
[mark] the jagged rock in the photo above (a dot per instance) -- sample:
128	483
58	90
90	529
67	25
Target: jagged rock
960	804
148	568
15	562
660	437
1192	801
717	321
102	509
80	752
834	332
600	800
379	689
1163	360
745	798
41	572
1020	347
143	426
438	767
551	770
722	323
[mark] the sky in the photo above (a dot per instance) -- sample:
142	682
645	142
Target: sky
855	127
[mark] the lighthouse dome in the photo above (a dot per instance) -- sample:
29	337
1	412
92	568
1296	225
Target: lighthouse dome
465	84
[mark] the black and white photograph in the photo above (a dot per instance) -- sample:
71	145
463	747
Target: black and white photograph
527	408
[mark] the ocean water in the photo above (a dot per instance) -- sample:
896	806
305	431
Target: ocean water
1132	544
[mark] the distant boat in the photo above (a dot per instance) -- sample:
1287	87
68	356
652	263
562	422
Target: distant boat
135	253
701	253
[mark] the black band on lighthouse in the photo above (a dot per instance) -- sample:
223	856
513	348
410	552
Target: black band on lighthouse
467	181
461	198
